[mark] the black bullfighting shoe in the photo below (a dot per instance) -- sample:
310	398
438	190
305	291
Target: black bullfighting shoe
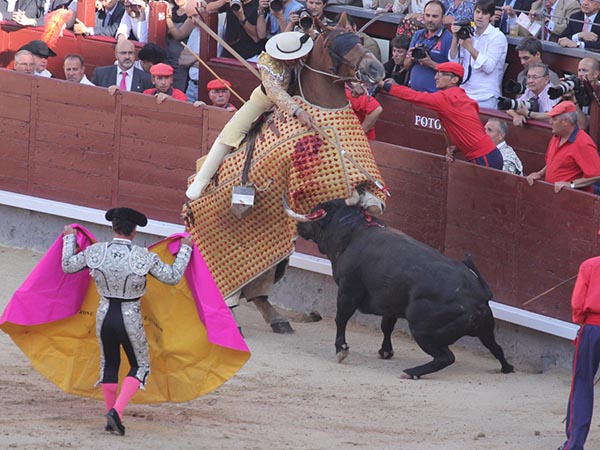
115	421
108	427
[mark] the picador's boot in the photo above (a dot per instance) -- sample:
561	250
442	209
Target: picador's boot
211	164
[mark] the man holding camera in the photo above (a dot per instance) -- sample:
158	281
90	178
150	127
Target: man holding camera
274	16
482	54
428	48
458	114
534	99
572	157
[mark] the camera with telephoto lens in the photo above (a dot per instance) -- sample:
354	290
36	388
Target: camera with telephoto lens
306	19
276	5
505	104
466	29
235	5
514	87
420	51
571	83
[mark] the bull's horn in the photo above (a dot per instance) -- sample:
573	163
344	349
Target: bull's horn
353	199
315	215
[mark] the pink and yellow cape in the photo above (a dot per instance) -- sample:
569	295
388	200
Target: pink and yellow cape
195	345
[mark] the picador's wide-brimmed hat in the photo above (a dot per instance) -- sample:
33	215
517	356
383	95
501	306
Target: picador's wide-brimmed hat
289	45
126	214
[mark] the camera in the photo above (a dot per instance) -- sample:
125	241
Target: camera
420	51
235	5
276	5
514	87
466	29
571	83
505	104
306	19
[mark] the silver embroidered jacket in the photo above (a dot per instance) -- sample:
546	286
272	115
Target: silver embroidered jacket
119	268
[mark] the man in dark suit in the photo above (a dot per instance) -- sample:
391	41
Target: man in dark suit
583	28
31	8
108	17
507	12
122	76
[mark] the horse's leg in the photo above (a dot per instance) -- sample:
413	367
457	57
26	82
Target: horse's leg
387	326
279	324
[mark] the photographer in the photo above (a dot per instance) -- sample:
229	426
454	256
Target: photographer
240	26
394	67
538	83
482	54
274	16
316	8
428	48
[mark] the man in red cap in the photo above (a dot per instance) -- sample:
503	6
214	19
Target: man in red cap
162	77
219	95
458	114
572	157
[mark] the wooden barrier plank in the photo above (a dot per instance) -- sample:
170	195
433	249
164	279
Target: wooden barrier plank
13	128
19	109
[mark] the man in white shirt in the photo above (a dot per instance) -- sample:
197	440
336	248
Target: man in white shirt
134	23
482	55
498	130
74	68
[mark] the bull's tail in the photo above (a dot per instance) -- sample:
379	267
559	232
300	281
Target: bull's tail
468	261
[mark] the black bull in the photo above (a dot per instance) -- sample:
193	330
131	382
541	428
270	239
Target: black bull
384	272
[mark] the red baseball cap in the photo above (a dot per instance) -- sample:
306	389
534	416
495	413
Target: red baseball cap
451	67
217	84
561	108
161	70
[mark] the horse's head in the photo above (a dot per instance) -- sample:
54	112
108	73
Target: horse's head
351	61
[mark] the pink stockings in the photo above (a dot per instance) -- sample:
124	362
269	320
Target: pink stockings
128	389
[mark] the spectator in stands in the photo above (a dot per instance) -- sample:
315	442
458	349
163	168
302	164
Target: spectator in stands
316	8
455	10
134	24
41	52
29	8
583	28
554	16
505	16
538	83
24	62
458	10
428	48
458	114
179	27
189	60
366	107
483	56
108	17
74	68
572	157
394	67
219	95
497	130
529	50
240	30
37	18
149	55
122	76
162	77
274	16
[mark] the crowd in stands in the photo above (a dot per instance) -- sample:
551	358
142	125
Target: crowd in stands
430	34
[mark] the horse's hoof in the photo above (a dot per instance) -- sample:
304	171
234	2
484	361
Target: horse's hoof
282	328
385	354
341	355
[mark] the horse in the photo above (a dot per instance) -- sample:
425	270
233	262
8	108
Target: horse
286	158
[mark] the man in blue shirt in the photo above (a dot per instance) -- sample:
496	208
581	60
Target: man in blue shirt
428	48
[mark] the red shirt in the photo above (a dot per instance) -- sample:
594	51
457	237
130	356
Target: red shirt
459	116
586	294
363	106
175	93
576	158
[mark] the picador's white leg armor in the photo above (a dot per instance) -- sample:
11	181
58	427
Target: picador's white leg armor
211	164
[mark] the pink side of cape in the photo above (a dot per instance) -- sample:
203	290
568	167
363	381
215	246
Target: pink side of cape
48	294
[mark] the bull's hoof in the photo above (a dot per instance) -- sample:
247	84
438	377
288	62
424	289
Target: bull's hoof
507	369
282	328
341	355
407	376
383	354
